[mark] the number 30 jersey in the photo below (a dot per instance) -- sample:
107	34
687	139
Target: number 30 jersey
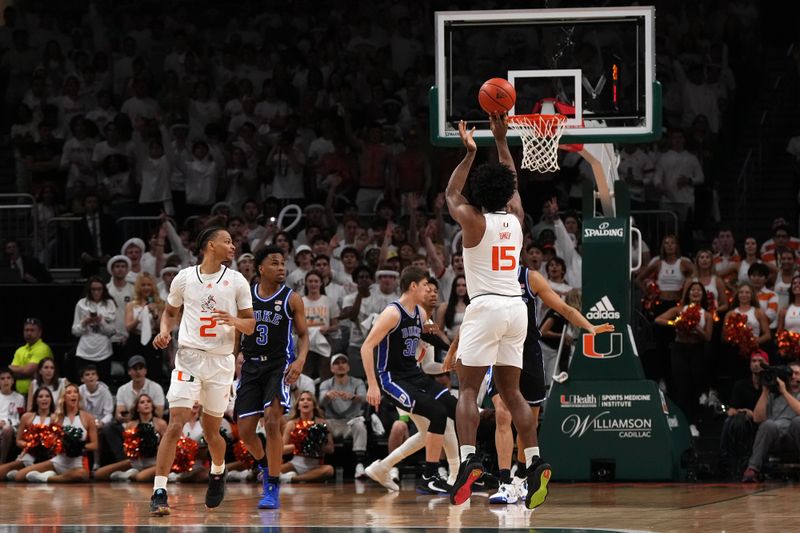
200	294
491	266
397	352
272	338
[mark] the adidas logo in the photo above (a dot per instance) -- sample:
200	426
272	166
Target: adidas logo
603	310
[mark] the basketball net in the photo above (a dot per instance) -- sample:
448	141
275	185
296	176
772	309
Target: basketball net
541	133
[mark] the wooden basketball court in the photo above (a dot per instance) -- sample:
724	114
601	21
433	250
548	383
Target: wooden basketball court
366	506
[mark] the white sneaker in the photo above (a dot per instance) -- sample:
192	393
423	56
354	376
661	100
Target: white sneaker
172	477
12	475
522	487
693	430
287	477
506	494
117	476
360	471
39	477
378	473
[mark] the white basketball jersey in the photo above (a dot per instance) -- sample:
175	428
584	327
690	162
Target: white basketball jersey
491	266
200	294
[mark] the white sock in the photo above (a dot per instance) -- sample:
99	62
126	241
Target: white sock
160	482
466	449
530	453
450	447
215	469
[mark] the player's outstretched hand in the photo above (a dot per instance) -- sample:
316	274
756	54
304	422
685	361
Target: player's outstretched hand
294	370
162	340
499	125
374	396
602	328
466	136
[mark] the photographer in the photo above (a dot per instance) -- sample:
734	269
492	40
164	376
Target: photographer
739	430
778	413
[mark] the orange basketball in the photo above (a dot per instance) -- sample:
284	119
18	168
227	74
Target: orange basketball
497	96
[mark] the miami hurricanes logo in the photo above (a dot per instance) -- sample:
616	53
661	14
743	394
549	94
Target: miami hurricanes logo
614	346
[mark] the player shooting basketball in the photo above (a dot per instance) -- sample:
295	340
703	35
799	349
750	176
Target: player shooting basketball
496	321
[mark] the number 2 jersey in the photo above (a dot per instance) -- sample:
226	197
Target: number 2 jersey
491	267
272	338
200	294
397	352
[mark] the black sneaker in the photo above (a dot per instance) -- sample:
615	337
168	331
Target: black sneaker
469	472
433	485
216	489
538	476
158	503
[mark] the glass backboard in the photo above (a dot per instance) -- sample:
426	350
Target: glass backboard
599	60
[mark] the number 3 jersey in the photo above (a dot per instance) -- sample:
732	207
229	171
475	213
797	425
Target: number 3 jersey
397	352
200	294
272	338
491	266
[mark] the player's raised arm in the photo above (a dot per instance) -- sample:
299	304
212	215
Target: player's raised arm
457	204
498	123
383	325
554	302
301	328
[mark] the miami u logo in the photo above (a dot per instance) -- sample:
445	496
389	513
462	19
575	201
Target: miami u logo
614	347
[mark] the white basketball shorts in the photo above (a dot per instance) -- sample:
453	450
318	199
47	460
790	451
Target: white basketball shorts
203	378
493	332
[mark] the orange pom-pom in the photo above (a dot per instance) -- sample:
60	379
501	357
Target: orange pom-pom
131	443
739	334
185	455
242	455
789	344
688	319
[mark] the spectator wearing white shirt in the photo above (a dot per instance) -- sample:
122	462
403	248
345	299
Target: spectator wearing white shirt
126	404
76	157
677	173
153	171
12	404
112	144
636	169
94	324
141	105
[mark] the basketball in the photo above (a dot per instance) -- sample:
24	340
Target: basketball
497	96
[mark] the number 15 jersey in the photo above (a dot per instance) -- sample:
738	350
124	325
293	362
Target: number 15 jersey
491	266
200	294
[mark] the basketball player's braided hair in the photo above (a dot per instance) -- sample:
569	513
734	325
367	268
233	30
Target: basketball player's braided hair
207	235
492	185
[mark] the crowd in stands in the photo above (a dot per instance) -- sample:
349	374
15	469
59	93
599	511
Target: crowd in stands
204	115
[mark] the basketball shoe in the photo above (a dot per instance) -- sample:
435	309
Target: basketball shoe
378	473
538	476
433	485
469	471
506	494
158	503
216	489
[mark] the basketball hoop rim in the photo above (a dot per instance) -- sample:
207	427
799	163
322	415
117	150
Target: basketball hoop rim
537	117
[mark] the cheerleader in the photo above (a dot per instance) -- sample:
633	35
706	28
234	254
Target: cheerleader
41	415
303	467
68	466
141	467
688	351
789	318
